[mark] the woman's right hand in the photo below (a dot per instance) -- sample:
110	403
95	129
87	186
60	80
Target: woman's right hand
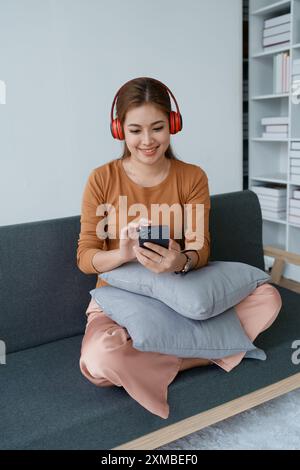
129	237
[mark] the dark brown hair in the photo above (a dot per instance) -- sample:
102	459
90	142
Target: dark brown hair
138	92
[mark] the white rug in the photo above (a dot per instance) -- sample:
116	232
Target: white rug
272	425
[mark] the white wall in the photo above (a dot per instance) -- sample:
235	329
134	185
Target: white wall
63	61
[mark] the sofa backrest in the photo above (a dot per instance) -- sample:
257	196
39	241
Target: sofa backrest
236	228
43	294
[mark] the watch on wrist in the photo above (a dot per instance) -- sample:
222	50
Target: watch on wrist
187	265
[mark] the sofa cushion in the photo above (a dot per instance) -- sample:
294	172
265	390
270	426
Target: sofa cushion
155	327
49	404
198	294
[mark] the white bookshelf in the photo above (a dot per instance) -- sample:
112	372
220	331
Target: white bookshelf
270	160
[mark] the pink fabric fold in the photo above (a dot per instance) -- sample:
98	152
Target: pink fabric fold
108	357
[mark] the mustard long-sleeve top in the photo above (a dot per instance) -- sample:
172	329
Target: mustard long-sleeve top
185	184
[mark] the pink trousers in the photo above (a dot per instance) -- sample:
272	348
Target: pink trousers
108	357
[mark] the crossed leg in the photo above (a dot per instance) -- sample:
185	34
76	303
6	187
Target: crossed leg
108	358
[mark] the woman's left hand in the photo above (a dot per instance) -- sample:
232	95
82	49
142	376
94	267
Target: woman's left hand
163	260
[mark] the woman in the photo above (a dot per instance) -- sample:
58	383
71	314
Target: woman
148	174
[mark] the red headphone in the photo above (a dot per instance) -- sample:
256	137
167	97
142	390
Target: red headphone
175	118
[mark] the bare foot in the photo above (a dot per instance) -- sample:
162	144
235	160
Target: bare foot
189	363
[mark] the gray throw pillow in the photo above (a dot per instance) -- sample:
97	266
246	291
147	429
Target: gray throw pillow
198	294
155	327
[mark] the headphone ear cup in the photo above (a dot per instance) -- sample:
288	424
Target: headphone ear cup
180	122
116	129
120	130
113	129
175	122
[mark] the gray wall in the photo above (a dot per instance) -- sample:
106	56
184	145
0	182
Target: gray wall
63	61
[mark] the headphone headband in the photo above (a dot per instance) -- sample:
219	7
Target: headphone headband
175	117
116	95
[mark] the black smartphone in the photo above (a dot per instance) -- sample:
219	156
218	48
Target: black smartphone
159	234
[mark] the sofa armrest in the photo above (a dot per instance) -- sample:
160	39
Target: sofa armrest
281	257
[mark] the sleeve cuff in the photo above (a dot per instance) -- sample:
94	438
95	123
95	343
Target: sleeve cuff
85	264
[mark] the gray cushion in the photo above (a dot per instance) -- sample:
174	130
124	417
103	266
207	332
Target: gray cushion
199	294
153	326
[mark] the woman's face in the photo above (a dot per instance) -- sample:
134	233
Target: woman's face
142	131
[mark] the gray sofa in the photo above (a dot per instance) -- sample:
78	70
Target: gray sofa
46	403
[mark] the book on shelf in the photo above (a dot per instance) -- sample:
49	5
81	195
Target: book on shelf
277	215
271	198
274	135
294	219
281	19
295	153
277	128
271	190
295	162
277	204
274	47
296	194
295	211
295	203
282	28
277	39
274	120
295	145
281	71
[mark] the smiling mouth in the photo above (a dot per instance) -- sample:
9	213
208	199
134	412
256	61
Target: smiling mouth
152	148
149	150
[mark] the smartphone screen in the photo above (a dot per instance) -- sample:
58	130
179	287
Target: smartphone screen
159	234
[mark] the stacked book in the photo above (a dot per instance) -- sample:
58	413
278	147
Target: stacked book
277	31
295	162
294	208
276	128
281	73
272	199
296	193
